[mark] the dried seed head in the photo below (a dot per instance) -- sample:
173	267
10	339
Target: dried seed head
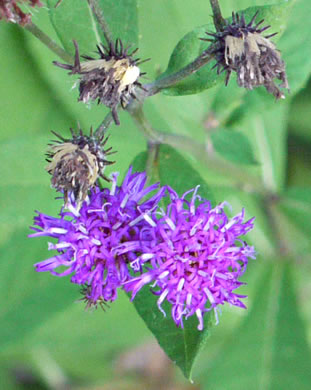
241	48
10	11
75	164
111	79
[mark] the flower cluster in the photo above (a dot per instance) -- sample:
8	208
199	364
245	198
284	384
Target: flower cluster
10	11
241	48
193	254
111	79
75	164
96	243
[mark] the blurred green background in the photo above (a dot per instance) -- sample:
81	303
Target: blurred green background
48	341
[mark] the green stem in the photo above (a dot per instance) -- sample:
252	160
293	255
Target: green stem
47	41
153	151
104	126
219	21
202	154
171	80
97	12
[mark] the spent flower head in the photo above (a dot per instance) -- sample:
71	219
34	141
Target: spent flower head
242	48
11	11
196	255
96	243
111	79
75	164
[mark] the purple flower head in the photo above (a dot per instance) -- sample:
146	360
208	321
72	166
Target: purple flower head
195	256
96	243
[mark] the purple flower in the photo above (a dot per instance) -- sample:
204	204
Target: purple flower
96	243
195	256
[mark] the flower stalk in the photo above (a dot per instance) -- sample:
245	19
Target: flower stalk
172	79
48	42
219	21
200	152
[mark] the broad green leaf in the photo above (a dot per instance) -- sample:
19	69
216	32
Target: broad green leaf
74	20
140	161
269	350
176	171
182	346
171	168
190	47
233	146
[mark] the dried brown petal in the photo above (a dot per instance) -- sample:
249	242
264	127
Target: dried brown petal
75	165
111	79
241	48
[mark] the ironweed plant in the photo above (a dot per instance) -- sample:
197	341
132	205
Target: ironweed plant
200	223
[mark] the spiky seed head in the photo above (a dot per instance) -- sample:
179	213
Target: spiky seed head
242	48
75	164
111	79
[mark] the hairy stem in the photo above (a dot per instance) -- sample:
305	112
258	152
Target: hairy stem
171	80
219	21
97	12
47	41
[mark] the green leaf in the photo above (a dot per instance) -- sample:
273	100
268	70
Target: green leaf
190	47
74	20
233	146
186	51
176	171
269	350
181	345
169	161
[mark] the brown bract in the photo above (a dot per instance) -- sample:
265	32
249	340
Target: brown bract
10	11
